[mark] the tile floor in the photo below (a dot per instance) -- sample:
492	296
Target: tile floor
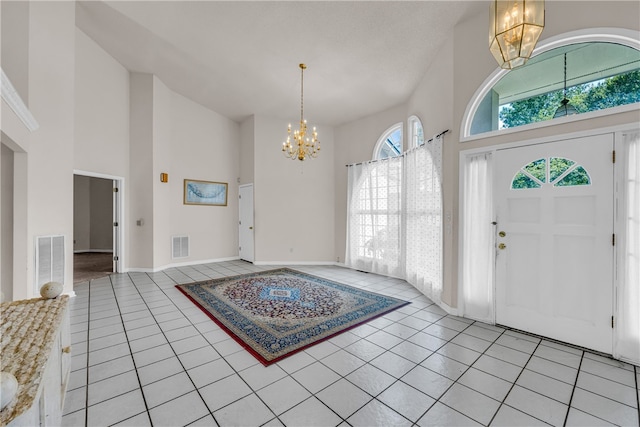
145	355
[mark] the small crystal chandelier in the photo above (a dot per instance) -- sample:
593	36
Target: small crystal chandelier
515	27
565	108
302	145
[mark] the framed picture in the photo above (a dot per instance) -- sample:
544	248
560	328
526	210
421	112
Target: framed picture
205	193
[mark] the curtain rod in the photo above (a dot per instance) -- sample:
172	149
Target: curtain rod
377	160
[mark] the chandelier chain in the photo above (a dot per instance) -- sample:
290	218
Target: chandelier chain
302	92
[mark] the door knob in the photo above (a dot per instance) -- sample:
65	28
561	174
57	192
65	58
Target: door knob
502	234
502	246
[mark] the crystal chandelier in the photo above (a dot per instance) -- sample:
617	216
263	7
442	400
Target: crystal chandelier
302	146
515	26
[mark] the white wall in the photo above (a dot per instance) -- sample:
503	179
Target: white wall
6	223
204	146
14	49
161	161
101	111
294	201
140	184
247	151
50	157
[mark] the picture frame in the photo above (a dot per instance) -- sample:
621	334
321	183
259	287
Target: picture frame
209	193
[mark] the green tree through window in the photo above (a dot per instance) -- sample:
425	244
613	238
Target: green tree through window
560	172
617	90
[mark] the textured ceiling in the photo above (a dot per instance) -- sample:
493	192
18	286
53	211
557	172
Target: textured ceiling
241	58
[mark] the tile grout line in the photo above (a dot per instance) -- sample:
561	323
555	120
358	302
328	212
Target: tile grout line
513	384
135	366
86	397
573	390
635	371
456	380
162	331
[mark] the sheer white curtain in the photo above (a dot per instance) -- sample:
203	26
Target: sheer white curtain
476	300
373	217
627	331
422	218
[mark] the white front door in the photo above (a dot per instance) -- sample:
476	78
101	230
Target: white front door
554	264
245	224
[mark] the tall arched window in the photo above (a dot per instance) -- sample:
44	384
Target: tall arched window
416	132
389	144
589	70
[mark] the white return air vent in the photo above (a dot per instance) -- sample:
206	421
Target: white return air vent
49	260
180	246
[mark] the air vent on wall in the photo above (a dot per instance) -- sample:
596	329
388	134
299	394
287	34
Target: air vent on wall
180	246
49	260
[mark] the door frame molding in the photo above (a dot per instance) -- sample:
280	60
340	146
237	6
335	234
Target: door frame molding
120	250
462	160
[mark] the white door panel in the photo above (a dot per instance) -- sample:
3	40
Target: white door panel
245	224
554	272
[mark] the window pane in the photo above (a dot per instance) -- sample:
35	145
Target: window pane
599	76
538	169
578	176
521	181
557	166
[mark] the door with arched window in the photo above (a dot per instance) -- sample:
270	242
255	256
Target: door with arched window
554	262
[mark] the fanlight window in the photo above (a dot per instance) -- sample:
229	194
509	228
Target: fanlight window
390	143
599	75
555	171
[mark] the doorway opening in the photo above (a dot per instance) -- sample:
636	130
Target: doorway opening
96	226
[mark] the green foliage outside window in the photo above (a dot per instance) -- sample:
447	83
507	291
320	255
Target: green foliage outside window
617	90
562	173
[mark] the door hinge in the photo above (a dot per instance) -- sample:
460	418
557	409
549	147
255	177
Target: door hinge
613	239
115	224
613	156
115	189
239	248
115	258
239	196
612	321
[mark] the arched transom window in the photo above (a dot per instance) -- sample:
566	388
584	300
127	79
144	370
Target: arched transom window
389	144
589	76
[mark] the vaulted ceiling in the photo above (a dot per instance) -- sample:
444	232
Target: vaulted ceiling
241	57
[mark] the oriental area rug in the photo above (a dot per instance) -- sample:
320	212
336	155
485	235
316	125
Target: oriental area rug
276	313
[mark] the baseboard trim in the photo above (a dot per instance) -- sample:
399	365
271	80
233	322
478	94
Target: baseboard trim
286	263
450	310
178	264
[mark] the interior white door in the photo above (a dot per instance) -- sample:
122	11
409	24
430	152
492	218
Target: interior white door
554	262
245	224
